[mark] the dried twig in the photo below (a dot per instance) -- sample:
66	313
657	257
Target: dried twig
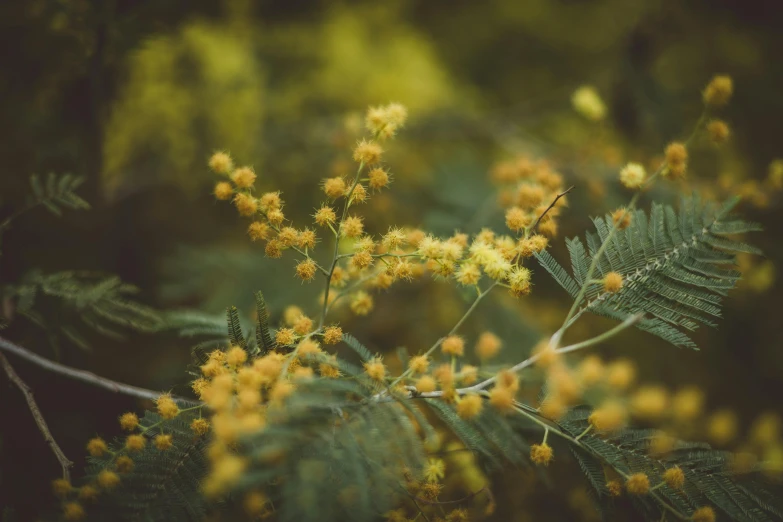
39	420
569	189
85	376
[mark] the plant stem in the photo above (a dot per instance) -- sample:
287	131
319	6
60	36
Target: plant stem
437	343
335	255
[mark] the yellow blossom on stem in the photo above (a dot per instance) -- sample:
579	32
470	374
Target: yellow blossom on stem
367	152
129	421
469	406
221	163
638	484
97	447
166	406
541	453
453	345
223	190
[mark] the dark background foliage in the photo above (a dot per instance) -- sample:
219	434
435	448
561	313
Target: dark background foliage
484	80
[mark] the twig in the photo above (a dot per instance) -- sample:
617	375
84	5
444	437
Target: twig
39	420
85	376
569	189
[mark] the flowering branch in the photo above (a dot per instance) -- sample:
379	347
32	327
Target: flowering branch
551	205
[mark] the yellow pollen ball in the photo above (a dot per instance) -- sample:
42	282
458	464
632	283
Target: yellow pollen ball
221	163
223	190
718	131
61	487
620	374
632	176
638	484
108	479
674	478
469	406
135	442
591	370
608	418
124	464
270	201
541	453
502	399
375	369
199	426
167	408
333	335
367	152
163	442
258	230
243	177
129	421
650	402
285	336
73	511
613	282
379	178
334	187
305	270
614	488
353	226
722	427
622	218
236	356
425	384
97	447
719	91
245	205
419	364
361	303
453	345
88	492
703	514
325	216
488	345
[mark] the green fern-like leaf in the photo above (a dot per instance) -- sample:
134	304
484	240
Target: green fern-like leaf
235	335
264	340
58	301
361	350
709	480
676	267
330	451
57	192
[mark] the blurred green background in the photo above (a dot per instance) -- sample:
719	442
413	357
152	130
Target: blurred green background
135	95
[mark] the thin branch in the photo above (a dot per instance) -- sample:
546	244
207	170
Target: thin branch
437	343
85	376
39	420
551	205
627	323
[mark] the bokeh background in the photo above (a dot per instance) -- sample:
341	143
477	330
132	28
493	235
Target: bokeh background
135	95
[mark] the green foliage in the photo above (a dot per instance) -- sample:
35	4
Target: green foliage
342	453
57	192
490	436
164	485
264	342
235	335
103	303
675	266
709	480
